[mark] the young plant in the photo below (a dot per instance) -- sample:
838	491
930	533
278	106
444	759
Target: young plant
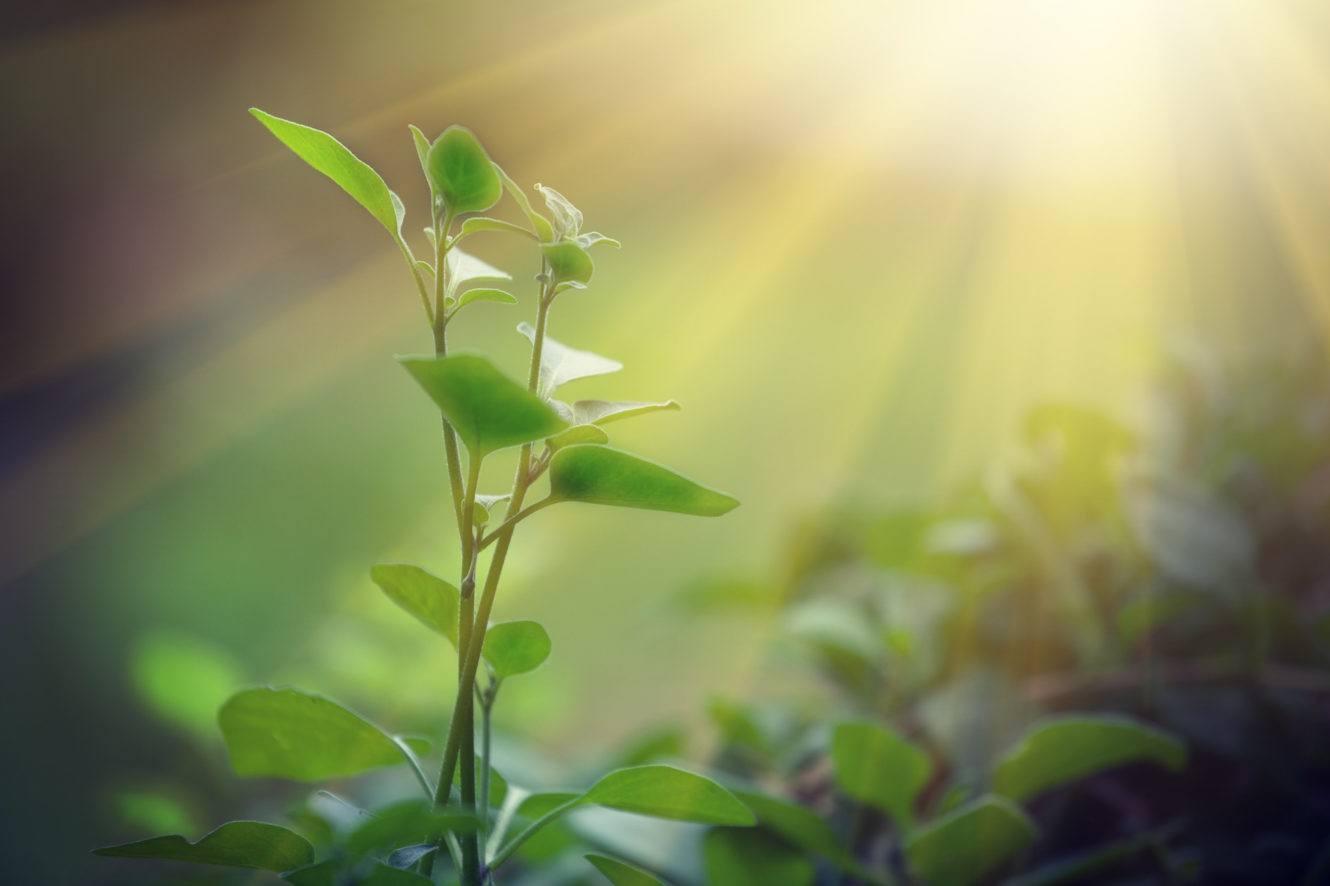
562	455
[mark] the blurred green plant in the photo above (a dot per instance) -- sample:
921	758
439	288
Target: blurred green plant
468	810
1002	679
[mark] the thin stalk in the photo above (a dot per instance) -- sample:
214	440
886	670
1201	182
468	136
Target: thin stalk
507	525
464	709
439	325
530	831
486	709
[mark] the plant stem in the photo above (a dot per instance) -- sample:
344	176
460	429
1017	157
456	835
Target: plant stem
506	852
486	709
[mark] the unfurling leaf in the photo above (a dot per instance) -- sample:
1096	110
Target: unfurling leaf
603	475
488	410
569	263
540	224
874	765
1062	749
560	364
485	506
241	844
567	217
461	172
598	412
516	647
329	156
292	734
586	241
429	598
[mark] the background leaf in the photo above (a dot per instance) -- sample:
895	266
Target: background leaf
739	857
516	647
961	847
433	601
292	734
874	765
244	844
603	475
329	156
489	410
1061	750
620	873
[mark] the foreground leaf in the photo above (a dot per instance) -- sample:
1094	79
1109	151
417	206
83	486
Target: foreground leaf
569	263
607	476
961	847
461	172
489	410
666	792
560	364
329	156
292	734
242	844
874	765
516	647
621	873
498	296
433	601
1064	749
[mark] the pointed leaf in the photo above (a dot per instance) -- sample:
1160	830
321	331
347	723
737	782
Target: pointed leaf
461	172
429	598
735	856
587	412
242	844
329	156
874	765
477	224
560	364
579	435
607	476
1064	749
666	792
516	647
538	805
586	241
494	295
292	734
621	873
463	267
964	845
489	410
567	217
540	224
485	506
569	263
422	151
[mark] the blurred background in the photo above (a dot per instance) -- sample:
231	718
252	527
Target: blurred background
860	241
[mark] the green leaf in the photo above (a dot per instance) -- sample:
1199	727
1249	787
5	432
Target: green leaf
333	872
569	263
666	792
961	847
567	217
463	267
489	410
560	364
405	824
184	678
485	506
578	435
433	601
516	647
800	826
422	151
735	857
538	805
874	765
494	295
599	412
586	241
461	172
607	476
292	734
1063	749
329	156
623	874
241	844
477	224
540	224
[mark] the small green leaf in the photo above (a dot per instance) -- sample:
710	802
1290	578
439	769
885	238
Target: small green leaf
422	151
329	156
578	435
586	241
735	856
621	873
461	172
292	734
876	766
962	846
560	364
567	217
184	678
485	506
1062	749
477	224
598	412
540	224
430	599
483	294
241	844
405	824
607	476
516	647
666	792
489	410
569	263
